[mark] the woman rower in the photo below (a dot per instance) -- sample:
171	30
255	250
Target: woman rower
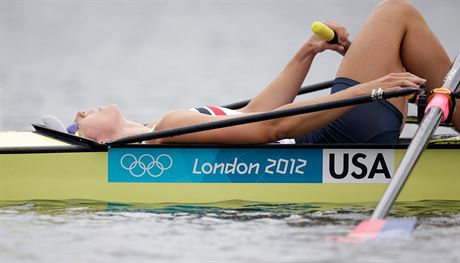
390	52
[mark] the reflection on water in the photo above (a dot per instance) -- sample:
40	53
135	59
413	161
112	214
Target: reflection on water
236	207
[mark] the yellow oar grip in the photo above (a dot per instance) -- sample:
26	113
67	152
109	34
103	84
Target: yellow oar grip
322	31
412	98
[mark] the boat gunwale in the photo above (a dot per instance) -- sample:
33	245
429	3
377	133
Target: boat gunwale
79	144
81	148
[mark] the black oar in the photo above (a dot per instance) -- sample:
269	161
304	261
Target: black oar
437	110
303	90
264	116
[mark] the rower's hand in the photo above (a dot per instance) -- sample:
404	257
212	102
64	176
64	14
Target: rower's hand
319	45
392	81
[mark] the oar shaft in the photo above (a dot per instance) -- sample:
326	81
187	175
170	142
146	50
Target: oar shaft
261	117
437	109
303	90
410	158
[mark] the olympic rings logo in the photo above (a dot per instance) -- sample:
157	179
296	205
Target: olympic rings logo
146	163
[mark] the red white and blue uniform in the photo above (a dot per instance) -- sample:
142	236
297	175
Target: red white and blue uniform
215	110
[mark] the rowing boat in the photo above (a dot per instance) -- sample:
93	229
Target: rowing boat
47	165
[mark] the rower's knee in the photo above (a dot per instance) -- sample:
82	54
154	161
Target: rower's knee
401	8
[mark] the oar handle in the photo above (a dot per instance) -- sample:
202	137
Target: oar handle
324	32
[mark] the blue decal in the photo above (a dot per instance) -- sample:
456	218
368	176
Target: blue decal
208	165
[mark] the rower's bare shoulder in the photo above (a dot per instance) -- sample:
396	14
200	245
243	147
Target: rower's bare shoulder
179	118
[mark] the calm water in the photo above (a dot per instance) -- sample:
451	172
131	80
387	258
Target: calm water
153	56
94	232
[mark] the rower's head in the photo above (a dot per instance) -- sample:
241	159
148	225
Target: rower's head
99	124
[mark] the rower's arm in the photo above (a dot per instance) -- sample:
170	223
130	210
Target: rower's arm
285	87
276	129
257	132
251	133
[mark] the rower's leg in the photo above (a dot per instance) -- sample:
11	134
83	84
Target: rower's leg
395	38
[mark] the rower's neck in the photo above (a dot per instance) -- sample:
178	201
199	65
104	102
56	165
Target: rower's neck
130	128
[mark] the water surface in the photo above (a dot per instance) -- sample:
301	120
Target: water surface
84	231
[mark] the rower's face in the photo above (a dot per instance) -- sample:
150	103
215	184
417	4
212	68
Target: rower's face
96	122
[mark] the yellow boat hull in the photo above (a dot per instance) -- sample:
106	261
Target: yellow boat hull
84	175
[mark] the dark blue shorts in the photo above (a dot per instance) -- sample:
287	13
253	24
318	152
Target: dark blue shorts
374	122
